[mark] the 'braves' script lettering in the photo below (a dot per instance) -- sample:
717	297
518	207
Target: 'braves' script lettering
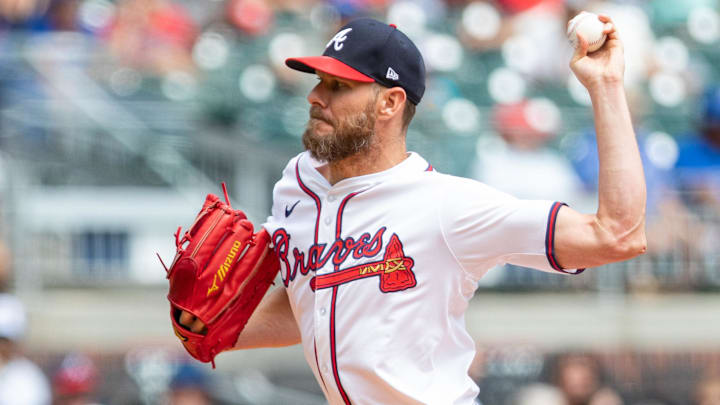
317	255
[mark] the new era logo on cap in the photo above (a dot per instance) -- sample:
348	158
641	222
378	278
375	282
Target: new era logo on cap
391	74
368	50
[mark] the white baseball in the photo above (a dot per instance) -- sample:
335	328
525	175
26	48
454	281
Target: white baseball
590	27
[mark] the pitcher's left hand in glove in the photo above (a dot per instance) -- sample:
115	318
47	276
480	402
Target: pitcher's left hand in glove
219	275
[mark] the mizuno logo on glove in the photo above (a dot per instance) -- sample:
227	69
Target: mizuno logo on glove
225	267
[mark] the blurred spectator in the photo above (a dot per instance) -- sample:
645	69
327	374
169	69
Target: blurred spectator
18	11
539	394
40	15
155	36
189	386
698	177
519	161
672	13
517	6
650	401
538	47
252	17
75	381
356	8
494	30
707	391
606	396
62	15
294	6
21	381
579	378
698	164
5	268
530	34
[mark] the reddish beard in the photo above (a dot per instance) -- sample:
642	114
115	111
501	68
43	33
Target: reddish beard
354	134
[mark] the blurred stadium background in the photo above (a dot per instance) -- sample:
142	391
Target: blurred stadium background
118	116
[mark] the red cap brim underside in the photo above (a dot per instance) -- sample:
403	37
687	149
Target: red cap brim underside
327	65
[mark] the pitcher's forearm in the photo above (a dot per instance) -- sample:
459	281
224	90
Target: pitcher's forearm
271	325
621	187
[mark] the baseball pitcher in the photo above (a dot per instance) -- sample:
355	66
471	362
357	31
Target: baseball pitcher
378	253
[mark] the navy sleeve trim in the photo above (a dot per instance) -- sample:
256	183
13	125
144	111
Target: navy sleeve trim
550	240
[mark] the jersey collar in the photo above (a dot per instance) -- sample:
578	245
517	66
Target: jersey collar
413	163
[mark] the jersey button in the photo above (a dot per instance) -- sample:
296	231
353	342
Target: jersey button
322	311
328	220
331	198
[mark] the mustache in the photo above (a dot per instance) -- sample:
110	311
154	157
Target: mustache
316	112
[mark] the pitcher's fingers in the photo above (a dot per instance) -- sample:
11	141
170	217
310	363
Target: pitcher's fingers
605	19
608	28
186	319
581	50
198	326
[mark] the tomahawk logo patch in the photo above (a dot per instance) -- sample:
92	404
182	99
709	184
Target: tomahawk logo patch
338	39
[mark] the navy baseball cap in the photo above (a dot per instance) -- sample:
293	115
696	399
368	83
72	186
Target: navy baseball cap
368	50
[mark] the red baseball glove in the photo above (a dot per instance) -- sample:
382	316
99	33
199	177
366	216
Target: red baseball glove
220	273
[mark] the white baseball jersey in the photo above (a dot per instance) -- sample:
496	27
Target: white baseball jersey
379	270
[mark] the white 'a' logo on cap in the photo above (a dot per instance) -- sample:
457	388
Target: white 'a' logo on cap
339	38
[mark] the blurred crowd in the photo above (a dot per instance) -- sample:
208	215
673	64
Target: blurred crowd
498	77
75	378
509	106
584	379
510	375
